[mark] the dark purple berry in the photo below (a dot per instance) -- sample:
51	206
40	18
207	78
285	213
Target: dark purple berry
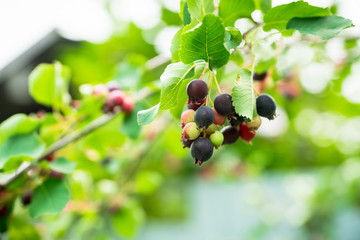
201	150
26	198
223	105
265	106
194	105
204	116
259	76
231	134
197	89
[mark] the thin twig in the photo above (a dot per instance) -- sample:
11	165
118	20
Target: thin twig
217	84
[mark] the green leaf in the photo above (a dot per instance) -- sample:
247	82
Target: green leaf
198	8
49	198
184	12
175	46
130	127
243	95
205	42
17	124
128	219
231	10
170	18
263	5
324	27
49	84
19	228
63	165
171	80
147	182
233	37
279	16
148	115
20	145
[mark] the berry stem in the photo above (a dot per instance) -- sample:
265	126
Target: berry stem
203	73
217	84
209	88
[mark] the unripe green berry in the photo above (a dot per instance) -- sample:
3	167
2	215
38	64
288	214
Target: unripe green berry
191	131
254	124
212	128
217	138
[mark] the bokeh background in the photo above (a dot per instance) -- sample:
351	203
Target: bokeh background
299	180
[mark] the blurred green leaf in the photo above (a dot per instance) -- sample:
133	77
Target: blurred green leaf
20	229
324	27
205	42
147	182
264	57
20	145
49	84
175	46
276	19
130	127
243	96
128	219
263	5
233	37
63	165
231	10
49	198
170	18
17	124
148	115
198	8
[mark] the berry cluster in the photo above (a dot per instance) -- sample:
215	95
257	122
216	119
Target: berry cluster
116	99
201	124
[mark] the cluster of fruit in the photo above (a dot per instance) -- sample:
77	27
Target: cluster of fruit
201	124
116	99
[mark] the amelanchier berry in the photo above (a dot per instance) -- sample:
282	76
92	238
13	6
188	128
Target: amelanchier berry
187	116
216	138
246	134
191	131
26	197
219	120
127	105
201	150
115	100
197	89
100	90
186	142
266	106
204	116
259	76
212	128
254	124
231	134
223	105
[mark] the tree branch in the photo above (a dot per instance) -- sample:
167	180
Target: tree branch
102	120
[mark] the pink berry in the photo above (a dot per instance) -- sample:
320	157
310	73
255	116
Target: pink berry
100	90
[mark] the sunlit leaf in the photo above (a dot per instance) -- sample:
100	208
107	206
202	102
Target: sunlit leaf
231	10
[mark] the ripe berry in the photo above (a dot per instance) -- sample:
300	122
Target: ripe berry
231	134
266	106
219	120
259	76
100	90
236	120
254	124
50	157
26	198
201	150
246	134
204	116
55	174
115	100
187	116
191	131
223	105
197	89
217	138
186	142
127	105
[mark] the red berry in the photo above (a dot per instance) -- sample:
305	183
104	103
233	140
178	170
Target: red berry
219	119
187	116
50	157
245	133
100	90
127	105
115	100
